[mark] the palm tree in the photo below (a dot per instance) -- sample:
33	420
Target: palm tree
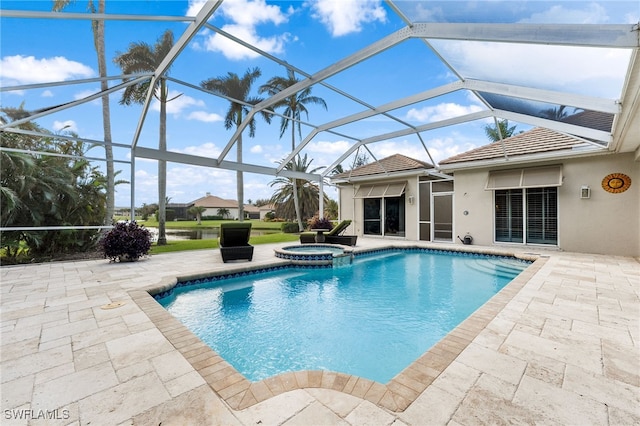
224	212
98	40
504	130
294	106
236	88
141	57
308	191
558	113
197	210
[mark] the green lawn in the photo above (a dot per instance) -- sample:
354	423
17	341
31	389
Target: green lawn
192	224
182	245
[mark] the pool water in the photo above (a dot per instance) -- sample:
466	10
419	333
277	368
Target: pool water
371	319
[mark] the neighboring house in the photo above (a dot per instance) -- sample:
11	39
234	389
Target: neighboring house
267	208
212	204
180	210
548	189
397	197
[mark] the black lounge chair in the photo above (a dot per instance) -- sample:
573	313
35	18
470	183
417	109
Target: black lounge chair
333	236
234	241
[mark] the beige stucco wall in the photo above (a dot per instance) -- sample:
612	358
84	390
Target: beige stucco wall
605	224
351	208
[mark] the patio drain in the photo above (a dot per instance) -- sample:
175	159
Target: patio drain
112	305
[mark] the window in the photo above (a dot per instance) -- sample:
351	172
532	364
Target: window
384	208
372	216
533	209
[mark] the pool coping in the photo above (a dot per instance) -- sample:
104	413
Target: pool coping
396	395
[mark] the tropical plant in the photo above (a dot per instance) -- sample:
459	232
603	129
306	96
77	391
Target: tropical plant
293	106
98	27
558	113
237	89
359	160
59	189
331	209
126	241
308	191
197	211
499	131
141	57
224	212
317	222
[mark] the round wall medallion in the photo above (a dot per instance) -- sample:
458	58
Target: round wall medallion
616	183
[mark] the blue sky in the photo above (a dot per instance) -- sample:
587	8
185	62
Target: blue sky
310	35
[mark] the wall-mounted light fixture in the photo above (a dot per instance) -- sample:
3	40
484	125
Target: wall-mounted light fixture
411	199
585	191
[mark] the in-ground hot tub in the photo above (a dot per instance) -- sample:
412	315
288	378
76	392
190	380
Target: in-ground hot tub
316	254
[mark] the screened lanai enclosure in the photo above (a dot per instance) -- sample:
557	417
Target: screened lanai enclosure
420	78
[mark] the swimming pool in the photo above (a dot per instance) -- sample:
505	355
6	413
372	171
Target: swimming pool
371	319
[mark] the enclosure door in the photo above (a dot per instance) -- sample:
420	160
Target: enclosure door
443	217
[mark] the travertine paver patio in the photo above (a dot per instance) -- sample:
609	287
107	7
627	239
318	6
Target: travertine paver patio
560	345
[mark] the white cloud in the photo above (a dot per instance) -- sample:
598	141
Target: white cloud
326	147
441	148
217	181
21	69
441	112
593	13
250	13
47	94
204	116
344	17
234	51
245	16
257	149
85	93
195	6
208	149
177	103
67	126
584	70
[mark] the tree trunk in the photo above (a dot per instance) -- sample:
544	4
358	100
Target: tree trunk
162	168
98	37
296	200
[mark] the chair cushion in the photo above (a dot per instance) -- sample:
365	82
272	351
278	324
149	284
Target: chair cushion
235	234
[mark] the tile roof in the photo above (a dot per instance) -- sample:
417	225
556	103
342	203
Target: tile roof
534	141
394	163
592	119
211	201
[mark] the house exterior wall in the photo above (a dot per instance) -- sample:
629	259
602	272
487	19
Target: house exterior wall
604	224
213	211
351	208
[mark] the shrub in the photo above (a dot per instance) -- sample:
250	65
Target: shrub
289	227
319	223
127	240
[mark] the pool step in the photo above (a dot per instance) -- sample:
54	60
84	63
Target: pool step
505	268
376	257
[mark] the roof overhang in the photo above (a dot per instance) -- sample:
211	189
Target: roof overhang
382	176
581	151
